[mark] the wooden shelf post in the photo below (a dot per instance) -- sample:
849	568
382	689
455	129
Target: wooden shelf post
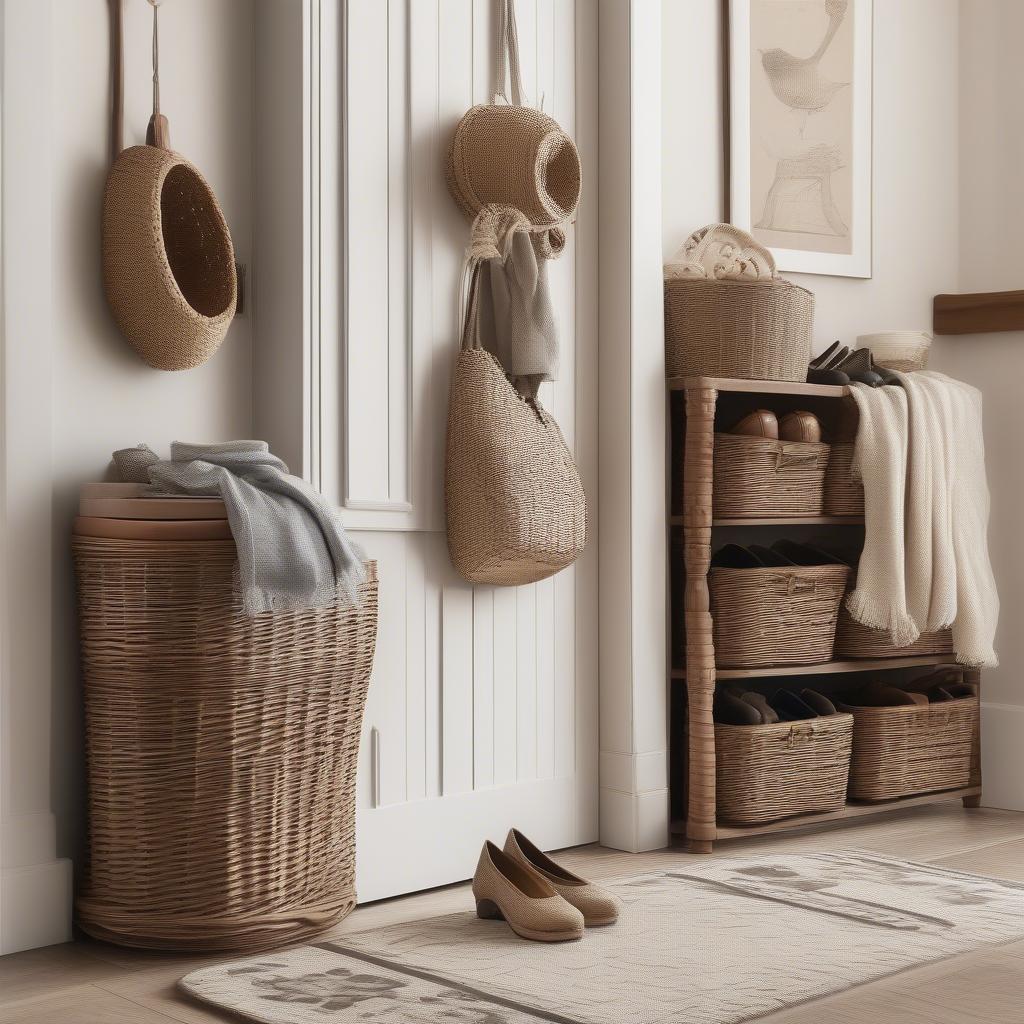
698	469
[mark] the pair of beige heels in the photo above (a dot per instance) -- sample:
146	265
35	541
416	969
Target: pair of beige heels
538	898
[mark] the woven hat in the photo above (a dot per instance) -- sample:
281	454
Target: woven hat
168	262
513	155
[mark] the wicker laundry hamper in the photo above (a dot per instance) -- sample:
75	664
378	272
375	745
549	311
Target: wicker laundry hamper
168	261
728	313
221	748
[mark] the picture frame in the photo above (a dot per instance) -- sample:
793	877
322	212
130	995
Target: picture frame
799	151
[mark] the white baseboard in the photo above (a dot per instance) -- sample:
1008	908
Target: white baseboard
634	822
35	900
1002	763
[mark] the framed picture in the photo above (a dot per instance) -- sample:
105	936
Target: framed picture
799	85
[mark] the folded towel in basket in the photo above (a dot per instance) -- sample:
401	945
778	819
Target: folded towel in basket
293	552
925	566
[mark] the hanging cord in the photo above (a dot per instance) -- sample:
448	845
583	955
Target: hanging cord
116	78
155	4
507	56
159	132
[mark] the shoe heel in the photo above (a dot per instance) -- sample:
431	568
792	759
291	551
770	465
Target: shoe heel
489	910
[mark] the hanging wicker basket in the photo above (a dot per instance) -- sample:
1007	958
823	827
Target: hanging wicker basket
168	262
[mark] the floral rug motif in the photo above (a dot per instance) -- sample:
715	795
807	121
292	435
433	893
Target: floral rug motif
712	942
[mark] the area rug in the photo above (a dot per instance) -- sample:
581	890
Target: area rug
712	942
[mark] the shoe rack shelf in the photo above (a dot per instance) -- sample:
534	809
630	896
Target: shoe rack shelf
692	422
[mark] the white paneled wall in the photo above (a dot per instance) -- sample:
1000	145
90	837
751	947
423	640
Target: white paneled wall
483	704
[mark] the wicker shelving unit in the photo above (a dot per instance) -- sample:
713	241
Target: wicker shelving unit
694	404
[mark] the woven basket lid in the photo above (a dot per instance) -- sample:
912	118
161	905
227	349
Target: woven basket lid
132	501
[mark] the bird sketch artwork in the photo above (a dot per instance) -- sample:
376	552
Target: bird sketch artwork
801	123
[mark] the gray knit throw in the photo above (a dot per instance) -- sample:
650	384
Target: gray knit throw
293	552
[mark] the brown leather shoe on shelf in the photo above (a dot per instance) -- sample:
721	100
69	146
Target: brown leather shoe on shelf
597	906
759	423
800	426
505	889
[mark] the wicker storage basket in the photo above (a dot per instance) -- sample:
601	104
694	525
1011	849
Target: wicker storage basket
767	772
221	750
757	476
843	496
783	615
854	640
727	313
899	751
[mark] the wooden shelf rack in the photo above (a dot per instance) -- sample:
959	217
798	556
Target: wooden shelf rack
700	674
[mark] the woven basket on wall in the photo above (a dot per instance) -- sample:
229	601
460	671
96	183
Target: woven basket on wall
727	313
221	750
783	615
900	751
758	476
843	496
767	772
168	261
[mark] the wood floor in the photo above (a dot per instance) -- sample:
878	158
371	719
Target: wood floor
91	983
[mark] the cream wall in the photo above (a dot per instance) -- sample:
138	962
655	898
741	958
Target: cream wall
991	205
104	396
915	159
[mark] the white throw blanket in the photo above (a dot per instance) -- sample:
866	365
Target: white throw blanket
921	456
293	552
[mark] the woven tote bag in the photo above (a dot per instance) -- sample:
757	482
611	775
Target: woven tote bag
168	261
515	506
513	155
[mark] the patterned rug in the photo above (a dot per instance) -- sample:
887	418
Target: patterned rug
713	942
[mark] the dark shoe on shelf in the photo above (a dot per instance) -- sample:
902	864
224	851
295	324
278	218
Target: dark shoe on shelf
732	710
792	708
818	702
760	701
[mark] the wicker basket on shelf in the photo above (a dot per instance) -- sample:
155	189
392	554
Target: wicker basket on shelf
758	476
221	748
842	495
728	314
909	749
767	772
777	615
855	640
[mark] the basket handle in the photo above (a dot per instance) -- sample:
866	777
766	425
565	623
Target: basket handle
506	62
722	252
789	456
799	733
795	585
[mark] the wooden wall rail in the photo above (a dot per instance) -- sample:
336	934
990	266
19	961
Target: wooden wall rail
978	313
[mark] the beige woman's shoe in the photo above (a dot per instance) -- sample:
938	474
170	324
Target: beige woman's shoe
597	906
505	889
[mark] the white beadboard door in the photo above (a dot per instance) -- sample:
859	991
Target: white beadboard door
482	711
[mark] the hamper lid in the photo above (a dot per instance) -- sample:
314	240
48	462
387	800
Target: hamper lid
151	529
131	501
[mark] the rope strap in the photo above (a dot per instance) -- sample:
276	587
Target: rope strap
506	64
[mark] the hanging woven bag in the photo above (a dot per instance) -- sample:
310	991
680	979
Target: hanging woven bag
515	506
168	262
513	155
